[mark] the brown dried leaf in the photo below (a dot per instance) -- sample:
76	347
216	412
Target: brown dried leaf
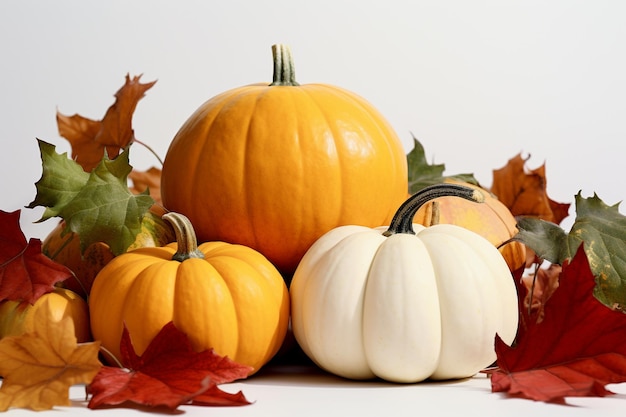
539	288
117	123
150	179
80	132
89	138
524	191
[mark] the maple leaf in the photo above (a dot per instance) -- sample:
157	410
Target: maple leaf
169	373
25	272
147	180
540	286
524	191
602	228
38	368
61	180
576	350
422	174
98	206
90	138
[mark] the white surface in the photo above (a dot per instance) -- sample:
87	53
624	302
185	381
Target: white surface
476	81
308	392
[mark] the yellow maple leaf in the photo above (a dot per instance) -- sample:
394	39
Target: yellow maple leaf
40	367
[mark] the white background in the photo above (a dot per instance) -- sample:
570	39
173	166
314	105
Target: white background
476	82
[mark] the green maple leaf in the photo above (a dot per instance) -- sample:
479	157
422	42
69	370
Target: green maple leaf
423	174
61	180
602	230
97	206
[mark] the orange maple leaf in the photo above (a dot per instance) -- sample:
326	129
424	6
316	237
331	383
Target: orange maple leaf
89	138
39	367
539	288
150	179
524	191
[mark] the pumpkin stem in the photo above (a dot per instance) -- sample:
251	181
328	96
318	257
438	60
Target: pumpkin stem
402	221
284	69
431	214
185	237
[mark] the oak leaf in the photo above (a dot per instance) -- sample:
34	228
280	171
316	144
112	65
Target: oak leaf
576	350
524	191
98	206
25	272
169	373
38	368
90	139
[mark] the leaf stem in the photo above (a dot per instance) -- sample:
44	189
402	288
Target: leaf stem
152	151
532	289
112	356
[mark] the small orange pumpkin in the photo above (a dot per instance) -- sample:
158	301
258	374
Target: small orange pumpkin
274	166
223	296
16	318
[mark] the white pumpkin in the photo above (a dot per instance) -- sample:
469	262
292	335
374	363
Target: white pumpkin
404	303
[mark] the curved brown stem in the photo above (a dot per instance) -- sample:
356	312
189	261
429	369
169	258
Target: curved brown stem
402	221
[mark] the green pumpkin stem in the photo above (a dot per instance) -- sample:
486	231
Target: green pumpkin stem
284	69
402	221
185	237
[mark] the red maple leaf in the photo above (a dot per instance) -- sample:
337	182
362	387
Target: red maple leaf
169	373
575	350
25	272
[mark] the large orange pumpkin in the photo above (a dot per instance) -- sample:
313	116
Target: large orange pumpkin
491	219
274	166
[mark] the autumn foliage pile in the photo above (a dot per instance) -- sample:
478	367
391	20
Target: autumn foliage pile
569	341
39	367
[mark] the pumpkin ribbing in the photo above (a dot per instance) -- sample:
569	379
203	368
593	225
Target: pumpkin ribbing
280	164
227	297
406	306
